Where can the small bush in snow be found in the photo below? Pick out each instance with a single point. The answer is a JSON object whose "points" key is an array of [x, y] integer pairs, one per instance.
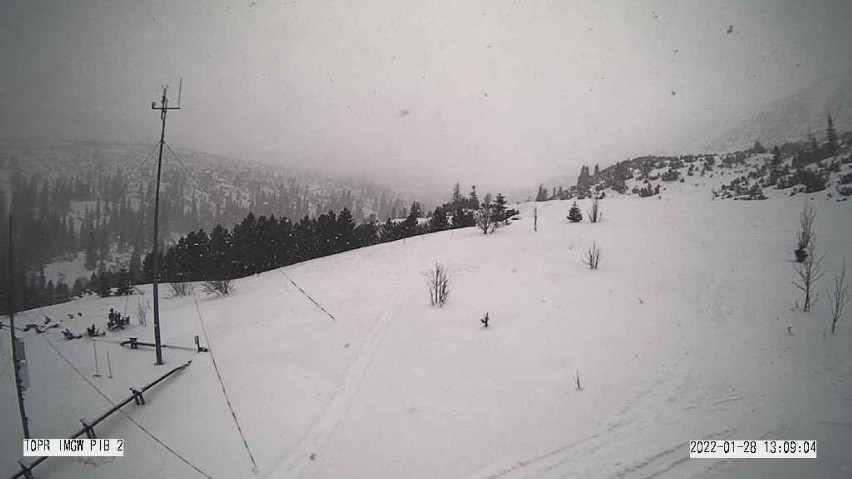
{"points": [[595, 215], [486, 219], [181, 289], [593, 257], [439, 285], [574, 214], [670, 175], [813, 180], [222, 287]]}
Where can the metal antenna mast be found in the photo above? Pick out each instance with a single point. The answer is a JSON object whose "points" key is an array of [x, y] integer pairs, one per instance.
{"points": [[164, 108], [17, 352]]}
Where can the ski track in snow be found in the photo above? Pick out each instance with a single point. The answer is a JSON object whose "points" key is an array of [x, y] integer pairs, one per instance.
{"points": [[626, 422], [555, 463], [292, 463]]}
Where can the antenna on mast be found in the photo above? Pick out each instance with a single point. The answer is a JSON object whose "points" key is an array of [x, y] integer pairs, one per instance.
{"points": [[164, 108], [180, 87]]}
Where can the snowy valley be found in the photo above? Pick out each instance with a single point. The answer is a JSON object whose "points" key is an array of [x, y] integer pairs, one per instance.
{"points": [[340, 367]]}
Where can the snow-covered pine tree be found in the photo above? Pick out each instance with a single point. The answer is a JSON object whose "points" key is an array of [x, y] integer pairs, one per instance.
{"points": [[574, 214]]}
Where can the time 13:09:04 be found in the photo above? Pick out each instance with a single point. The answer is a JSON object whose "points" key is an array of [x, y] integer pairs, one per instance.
{"points": [[758, 447]]}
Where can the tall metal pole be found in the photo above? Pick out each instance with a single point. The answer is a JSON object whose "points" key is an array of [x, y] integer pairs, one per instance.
{"points": [[164, 107], [25, 423]]}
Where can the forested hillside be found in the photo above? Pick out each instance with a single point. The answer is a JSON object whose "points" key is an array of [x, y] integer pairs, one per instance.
{"points": [[90, 206]]}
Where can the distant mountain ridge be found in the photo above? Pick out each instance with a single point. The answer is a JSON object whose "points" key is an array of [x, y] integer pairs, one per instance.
{"points": [[243, 182], [789, 119], [85, 206]]}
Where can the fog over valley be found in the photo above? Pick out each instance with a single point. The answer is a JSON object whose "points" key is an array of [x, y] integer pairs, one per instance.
{"points": [[502, 94]]}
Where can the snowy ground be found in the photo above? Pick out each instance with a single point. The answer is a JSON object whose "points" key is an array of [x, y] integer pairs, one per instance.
{"points": [[681, 334]]}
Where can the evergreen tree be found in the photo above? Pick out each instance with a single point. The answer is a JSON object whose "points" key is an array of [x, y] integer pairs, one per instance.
{"points": [[123, 286], [457, 197], [79, 287], [574, 214], [346, 231], [218, 266], [499, 207], [390, 231], [438, 221], [542, 194], [776, 157], [135, 264], [415, 210], [62, 293], [409, 226], [326, 233], [813, 146], [102, 281], [463, 219], [366, 234], [584, 181], [474, 201], [831, 145]]}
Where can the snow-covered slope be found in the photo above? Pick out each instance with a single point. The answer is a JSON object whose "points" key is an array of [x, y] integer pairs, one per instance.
{"points": [[788, 119], [688, 330]]}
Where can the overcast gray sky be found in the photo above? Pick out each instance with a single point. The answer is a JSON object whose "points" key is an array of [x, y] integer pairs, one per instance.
{"points": [[501, 93]]}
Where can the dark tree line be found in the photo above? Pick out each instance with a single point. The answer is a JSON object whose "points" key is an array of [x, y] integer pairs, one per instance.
{"points": [[261, 243]]}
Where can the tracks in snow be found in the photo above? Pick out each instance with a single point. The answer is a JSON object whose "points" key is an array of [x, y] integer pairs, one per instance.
{"points": [[594, 457], [609, 453], [288, 466]]}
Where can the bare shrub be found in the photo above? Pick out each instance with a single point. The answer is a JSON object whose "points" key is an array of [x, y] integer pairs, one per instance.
{"points": [[143, 306], [439, 285], [806, 232], [222, 287], [486, 220], [839, 297], [595, 215], [593, 257], [181, 289], [809, 271]]}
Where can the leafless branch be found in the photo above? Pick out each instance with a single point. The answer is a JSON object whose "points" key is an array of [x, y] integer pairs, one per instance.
{"points": [[839, 297]]}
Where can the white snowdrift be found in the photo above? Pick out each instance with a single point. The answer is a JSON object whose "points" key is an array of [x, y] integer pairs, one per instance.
{"points": [[683, 333]]}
